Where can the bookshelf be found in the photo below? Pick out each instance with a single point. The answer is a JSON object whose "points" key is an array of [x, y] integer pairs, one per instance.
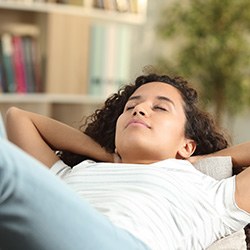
{"points": [[69, 108], [84, 11], [65, 47]]}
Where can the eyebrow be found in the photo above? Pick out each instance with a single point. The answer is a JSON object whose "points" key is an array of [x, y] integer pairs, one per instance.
{"points": [[164, 98]]}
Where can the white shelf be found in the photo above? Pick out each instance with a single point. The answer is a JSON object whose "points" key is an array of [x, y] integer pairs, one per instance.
{"points": [[50, 98], [95, 14], [66, 108]]}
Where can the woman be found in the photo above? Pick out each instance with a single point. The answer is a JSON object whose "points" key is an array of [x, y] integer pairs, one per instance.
{"points": [[154, 198]]}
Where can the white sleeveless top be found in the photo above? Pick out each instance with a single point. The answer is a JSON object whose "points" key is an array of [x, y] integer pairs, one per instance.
{"points": [[167, 205]]}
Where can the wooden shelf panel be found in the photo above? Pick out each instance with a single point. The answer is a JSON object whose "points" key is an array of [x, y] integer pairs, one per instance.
{"points": [[95, 14], [70, 109], [50, 98]]}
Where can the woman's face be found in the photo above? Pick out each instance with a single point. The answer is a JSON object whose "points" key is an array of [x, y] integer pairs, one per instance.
{"points": [[151, 127]]}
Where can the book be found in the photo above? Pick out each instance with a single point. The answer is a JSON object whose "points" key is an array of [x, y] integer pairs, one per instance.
{"points": [[36, 64], [133, 6], [99, 4], [29, 66], [109, 68], [109, 4], [122, 5], [7, 52], [18, 64], [3, 80], [97, 48], [21, 56]]}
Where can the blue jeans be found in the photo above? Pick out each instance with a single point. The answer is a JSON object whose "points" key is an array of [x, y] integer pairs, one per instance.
{"points": [[38, 211]]}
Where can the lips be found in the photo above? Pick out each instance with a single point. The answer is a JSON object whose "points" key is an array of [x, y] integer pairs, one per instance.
{"points": [[137, 122]]}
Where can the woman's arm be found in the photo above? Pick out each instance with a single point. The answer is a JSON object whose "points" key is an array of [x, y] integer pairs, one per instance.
{"points": [[39, 136], [240, 154]]}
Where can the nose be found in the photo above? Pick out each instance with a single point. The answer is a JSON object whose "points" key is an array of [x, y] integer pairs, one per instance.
{"points": [[140, 110]]}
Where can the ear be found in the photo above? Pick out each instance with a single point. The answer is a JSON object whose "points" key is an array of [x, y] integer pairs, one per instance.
{"points": [[187, 149]]}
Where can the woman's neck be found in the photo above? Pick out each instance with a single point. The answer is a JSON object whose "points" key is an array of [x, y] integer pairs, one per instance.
{"points": [[138, 160]]}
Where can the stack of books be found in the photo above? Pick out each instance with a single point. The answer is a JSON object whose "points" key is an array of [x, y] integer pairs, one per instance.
{"points": [[110, 50], [131, 6], [19, 59]]}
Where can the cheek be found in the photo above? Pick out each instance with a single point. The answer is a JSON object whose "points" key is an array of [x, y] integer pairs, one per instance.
{"points": [[173, 129], [119, 125]]}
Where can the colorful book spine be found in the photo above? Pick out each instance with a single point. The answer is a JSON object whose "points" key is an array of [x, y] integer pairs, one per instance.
{"points": [[19, 65], [7, 52], [122, 5], [28, 63], [21, 60], [2, 83], [98, 4], [133, 6], [36, 63], [3, 80]]}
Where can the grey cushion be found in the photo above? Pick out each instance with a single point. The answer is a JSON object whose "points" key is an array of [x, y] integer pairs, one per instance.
{"points": [[235, 241], [218, 167]]}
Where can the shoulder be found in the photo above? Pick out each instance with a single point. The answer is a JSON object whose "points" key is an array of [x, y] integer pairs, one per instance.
{"points": [[242, 190], [62, 170]]}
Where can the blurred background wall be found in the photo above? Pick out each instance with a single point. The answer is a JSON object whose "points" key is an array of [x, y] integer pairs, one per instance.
{"points": [[148, 46]]}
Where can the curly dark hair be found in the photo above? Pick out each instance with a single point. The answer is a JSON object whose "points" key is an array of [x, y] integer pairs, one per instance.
{"points": [[200, 126]]}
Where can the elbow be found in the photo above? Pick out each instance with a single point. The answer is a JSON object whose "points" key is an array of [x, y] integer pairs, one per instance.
{"points": [[12, 114], [12, 118]]}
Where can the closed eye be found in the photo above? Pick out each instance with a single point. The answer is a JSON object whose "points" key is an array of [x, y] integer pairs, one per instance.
{"points": [[129, 107], [160, 108]]}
